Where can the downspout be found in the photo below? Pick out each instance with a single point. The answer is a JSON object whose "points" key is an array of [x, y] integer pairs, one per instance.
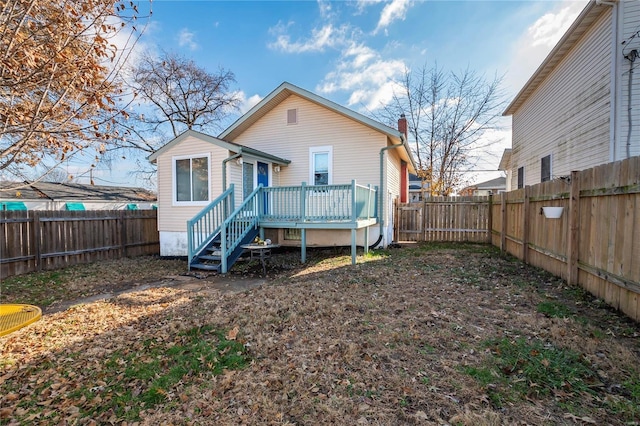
{"points": [[224, 168], [403, 143]]}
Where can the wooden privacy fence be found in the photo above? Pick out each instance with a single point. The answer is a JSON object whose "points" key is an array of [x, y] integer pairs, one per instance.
{"points": [[596, 241], [444, 219], [41, 240]]}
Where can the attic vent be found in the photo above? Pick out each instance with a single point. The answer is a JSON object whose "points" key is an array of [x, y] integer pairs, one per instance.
{"points": [[292, 116]]}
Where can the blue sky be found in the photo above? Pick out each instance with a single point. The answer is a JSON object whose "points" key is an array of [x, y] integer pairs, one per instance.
{"points": [[351, 51]]}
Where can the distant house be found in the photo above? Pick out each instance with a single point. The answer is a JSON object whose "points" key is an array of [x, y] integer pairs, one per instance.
{"points": [[72, 196], [417, 189], [581, 107], [297, 168], [493, 186]]}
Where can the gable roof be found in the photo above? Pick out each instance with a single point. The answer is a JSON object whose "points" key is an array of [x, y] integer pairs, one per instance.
{"points": [[505, 160], [497, 183], [72, 191], [285, 90], [580, 26], [219, 142]]}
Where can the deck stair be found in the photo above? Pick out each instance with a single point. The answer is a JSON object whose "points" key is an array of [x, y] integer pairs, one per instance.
{"points": [[217, 233]]}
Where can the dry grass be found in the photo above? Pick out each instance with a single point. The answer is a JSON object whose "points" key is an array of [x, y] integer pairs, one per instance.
{"points": [[407, 336]]}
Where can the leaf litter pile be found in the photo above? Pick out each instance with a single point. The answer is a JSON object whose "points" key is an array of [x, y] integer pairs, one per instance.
{"points": [[424, 334]]}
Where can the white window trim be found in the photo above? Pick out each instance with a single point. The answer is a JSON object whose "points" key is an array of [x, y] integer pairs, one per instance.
{"points": [[174, 193], [317, 150]]}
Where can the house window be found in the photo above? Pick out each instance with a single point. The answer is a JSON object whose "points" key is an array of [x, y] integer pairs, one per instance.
{"points": [[520, 177], [320, 161], [191, 183], [545, 169], [292, 116]]}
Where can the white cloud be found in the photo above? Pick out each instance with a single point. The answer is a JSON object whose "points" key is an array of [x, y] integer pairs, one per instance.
{"points": [[396, 10], [325, 37], [362, 4], [186, 39], [531, 48], [247, 103], [325, 8], [365, 74]]}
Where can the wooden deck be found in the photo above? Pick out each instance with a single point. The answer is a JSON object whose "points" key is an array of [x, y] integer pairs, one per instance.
{"points": [[349, 206]]}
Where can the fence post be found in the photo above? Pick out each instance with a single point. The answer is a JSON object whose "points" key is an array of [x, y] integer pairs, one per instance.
{"points": [[123, 233], [525, 224], [424, 218], [574, 228], [503, 228], [37, 232], [490, 220]]}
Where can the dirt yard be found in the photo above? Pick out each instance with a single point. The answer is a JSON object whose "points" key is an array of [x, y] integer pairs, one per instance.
{"points": [[425, 334]]}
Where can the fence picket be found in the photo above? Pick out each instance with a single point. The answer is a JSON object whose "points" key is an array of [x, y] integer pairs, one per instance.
{"points": [[43, 240]]}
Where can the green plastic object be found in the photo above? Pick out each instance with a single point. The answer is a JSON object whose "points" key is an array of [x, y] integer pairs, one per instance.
{"points": [[132, 206], [75, 206], [13, 206]]}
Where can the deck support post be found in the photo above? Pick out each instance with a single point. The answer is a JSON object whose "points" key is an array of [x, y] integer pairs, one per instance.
{"points": [[303, 245], [366, 239], [353, 246]]}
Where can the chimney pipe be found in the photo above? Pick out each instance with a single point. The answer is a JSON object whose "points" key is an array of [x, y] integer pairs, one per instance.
{"points": [[402, 125]]}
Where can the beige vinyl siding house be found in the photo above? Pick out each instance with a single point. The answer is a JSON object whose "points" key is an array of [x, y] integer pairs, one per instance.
{"points": [[291, 137], [353, 147], [569, 115], [172, 216]]}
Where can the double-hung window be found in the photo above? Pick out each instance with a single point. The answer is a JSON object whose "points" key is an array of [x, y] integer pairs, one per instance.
{"points": [[520, 177], [321, 164], [545, 169], [191, 180]]}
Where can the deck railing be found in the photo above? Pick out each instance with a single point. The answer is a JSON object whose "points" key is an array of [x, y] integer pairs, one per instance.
{"points": [[304, 203], [239, 223], [203, 227], [318, 203]]}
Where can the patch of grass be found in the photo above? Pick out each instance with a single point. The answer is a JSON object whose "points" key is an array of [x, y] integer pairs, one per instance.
{"points": [[627, 406], [535, 368], [483, 375], [134, 380], [554, 309], [39, 288]]}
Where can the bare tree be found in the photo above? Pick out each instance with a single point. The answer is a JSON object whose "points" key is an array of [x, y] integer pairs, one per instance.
{"points": [[182, 96], [59, 67], [447, 117]]}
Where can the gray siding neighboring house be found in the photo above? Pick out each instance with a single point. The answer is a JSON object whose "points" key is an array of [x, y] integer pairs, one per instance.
{"points": [[489, 187], [581, 107], [65, 196]]}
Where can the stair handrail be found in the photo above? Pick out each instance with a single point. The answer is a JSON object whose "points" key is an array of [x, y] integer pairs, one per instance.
{"points": [[242, 228], [204, 226]]}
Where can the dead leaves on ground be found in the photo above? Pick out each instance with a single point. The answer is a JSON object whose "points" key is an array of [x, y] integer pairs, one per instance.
{"points": [[384, 342]]}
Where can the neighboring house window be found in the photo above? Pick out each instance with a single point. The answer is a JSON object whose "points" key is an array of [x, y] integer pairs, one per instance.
{"points": [[545, 168], [320, 161], [191, 183], [292, 116], [521, 177]]}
